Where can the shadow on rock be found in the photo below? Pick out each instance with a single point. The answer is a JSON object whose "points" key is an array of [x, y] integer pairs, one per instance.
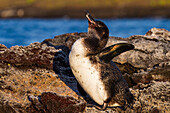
{"points": [[62, 68], [61, 62]]}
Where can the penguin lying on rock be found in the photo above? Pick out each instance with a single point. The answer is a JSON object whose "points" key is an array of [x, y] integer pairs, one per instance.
{"points": [[91, 65]]}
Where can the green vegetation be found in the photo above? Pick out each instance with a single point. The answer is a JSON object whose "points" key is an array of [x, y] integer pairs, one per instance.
{"points": [[160, 3], [53, 4], [30, 1]]}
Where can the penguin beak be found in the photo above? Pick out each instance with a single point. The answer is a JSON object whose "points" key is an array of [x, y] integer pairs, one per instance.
{"points": [[89, 17]]}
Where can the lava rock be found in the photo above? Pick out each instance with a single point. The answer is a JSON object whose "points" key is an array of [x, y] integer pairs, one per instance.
{"points": [[65, 104], [34, 54], [50, 102], [38, 78]]}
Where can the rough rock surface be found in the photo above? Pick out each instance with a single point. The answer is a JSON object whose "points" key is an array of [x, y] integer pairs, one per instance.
{"points": [[34, 54], [53, 103], [151, 56], [150, 60], [37, 78], [150, 98]]}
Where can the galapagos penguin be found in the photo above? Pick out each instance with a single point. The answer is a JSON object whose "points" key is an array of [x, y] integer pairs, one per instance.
{"points": [[91, 65]]}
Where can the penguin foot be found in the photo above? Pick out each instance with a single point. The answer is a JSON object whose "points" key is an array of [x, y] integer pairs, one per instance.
{"points": [[105, 105], [96, 106]]}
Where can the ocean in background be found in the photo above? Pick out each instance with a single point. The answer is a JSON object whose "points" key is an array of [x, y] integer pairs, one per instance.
{"points": [[22, 32]]}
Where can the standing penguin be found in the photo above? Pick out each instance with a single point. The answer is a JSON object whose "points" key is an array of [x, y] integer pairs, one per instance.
{"points": [[95, 72]]}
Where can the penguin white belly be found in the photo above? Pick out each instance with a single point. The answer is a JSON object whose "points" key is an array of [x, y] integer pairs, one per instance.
{"points": [[88, 77]]}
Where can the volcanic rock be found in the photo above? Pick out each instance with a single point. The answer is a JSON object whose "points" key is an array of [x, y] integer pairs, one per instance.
{"points": [[38, 78]]}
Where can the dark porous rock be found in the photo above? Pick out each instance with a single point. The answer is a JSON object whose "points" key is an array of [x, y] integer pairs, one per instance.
{"points": [[152, 97], [49, 102], [34, 54], [65, 39], [149, 50], [64, 104], [149, 98], [161, 34], [17, 83], [38, 78], [61, 62], [150, 60], [33, 70]]}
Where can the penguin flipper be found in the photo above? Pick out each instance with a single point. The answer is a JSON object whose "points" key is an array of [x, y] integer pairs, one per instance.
{"points": [[107, 54]]}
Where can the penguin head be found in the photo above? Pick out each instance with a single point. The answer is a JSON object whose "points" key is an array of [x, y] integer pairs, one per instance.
{"points": [[97, 28]]}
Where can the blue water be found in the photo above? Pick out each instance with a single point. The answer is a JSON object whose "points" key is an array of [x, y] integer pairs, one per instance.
{"points": [[26, 31]]}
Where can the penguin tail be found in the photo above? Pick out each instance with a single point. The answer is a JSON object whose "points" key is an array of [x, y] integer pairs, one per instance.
{"points": [[130, 100], [122, 102]]}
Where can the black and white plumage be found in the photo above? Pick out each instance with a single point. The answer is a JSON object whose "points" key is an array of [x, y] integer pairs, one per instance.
{"points": [[95, 72]]}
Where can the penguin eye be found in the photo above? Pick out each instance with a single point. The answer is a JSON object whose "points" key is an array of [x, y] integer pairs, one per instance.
{"points": [[100, 26]]}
